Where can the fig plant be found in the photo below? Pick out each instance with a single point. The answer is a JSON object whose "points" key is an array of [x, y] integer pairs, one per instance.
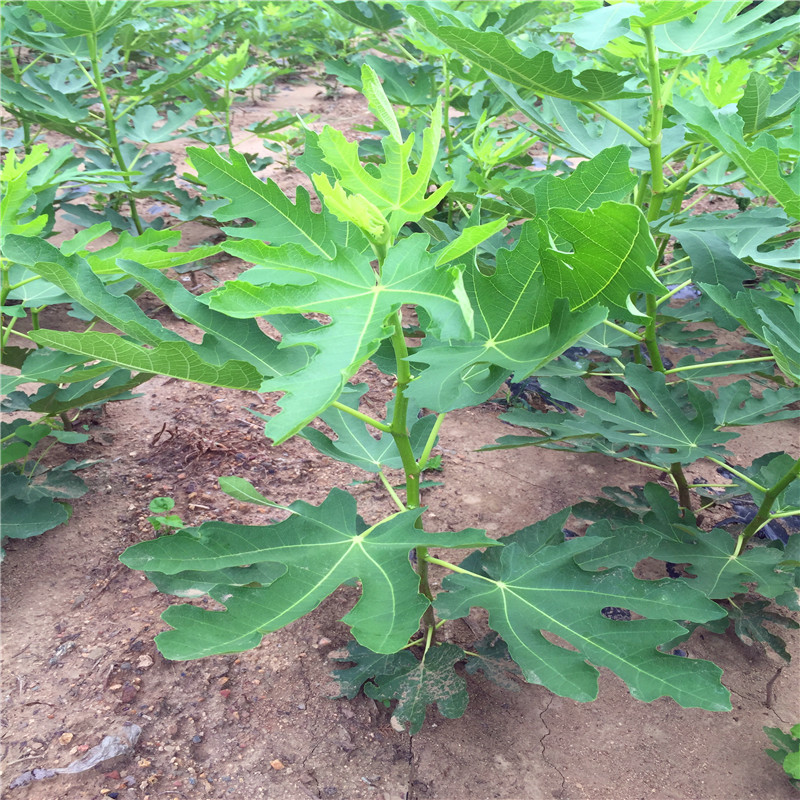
{"points": [[348, 262], [585, 268]]}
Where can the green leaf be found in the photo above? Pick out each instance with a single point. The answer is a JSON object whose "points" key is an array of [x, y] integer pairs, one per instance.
{"points": [[667, 534], [750, 618], [721, 26], [226, 339], [753, 106], [519, 327], [18, 197], [358, 301], [468, 240], [369, 666], [82, 17], [370, 15], [354, 444], [22, 520], [74, 276], [611, 253], [594, 29], [497, 55], [241, 489], [774, 323], [605, 178], [148, 249], [142, 125], [378, 102], [491, 657], [104, 385], [322, 546], [735, 405], [174, 359], [760, 158], [711, 258], [431, 680], [660, 12], [530, 593], [277, 219], [788, 752], [397, 193], [677, 426], [195, 584]]}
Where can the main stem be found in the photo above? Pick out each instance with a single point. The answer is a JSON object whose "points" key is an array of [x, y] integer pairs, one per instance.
{"points": [[654, 135], [111, 125], [399, 432]]}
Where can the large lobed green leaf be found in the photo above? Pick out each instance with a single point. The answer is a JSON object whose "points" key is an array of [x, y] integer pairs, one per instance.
{"points": [[277, 220], [679, 425], [322, 547], [759, 157], [359, 302], [492, 51], [670, 534], [531, 587], [519, 327], [610, 255]]}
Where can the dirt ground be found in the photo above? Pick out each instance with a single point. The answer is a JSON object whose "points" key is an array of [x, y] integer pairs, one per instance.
{"points": [[79, 659]]}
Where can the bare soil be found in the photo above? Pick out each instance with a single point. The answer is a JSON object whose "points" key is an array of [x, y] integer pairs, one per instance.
{"points": [[79, 658]]}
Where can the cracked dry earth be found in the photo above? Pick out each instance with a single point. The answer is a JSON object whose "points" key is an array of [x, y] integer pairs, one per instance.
{"points": [[79, 658]]}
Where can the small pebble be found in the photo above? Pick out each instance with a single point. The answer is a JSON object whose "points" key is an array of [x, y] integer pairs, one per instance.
{"points": [[277, 764]]}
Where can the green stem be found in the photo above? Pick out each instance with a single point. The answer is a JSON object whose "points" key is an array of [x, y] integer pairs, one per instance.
{"points": [[740, 475], [781, 514], [619, 328], [656, 121], [650, 340], [668, 268], [26, 126], [598, 109], [762, 515], [228, 104], [454, 568], [426, 453], [717, 364], [392, 493], [643, 464], [674, 291], [7, 331], [681, 484], [113, 141], [680, 184], [406, 54], [381, 426], [399, 432]]}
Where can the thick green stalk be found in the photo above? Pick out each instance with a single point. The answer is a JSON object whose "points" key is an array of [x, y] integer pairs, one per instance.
{"points": [[399, 432], [762, 515], [655, 125], [113, 141], [654, 135]]}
